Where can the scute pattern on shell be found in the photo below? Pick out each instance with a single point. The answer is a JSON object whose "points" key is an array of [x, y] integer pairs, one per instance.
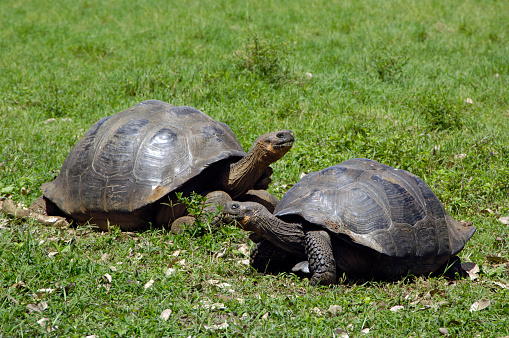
{"points": [[133, 158], [389, 210]]}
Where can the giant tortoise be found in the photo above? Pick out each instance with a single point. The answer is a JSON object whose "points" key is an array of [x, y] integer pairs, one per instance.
{"points": [[126, 169], [359, 218]]}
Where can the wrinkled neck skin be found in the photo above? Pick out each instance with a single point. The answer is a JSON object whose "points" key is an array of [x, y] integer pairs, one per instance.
{"points": [[288, 236], [243, 174]]}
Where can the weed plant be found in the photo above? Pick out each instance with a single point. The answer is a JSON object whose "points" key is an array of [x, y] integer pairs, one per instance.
{"points": [[422, 86]]}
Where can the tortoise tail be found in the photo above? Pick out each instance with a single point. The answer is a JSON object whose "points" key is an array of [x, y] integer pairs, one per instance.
{"points": [[459, 234]]}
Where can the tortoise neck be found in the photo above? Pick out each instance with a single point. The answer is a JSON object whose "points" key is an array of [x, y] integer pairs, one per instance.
{"points": [[244, 173], [288, 236]]}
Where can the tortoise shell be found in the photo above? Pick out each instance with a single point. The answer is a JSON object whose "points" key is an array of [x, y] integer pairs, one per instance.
{"points": [[132, 159], [388, 210]]}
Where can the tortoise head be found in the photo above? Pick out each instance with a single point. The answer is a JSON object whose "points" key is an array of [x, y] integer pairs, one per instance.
{"points": [[273, 146], [245, 215]]}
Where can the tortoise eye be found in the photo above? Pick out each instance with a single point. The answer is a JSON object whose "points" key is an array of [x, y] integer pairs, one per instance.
{"points": [[235, 206]]}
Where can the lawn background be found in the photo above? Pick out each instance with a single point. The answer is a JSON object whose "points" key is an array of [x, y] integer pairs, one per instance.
{"points": [[419, 85]]}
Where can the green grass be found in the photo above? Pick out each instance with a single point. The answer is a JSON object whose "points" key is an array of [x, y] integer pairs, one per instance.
{"points": [[389, 81]]}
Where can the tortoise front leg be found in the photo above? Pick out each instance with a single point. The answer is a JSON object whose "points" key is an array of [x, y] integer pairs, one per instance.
{"points": [[264, 180], [213, 200], [267, 257], [320, 257]]}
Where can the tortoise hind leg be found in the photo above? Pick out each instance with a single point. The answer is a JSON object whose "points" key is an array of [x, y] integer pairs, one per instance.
{"points": [[320, 257], [37, 211], [452, 269], [44, 206]]}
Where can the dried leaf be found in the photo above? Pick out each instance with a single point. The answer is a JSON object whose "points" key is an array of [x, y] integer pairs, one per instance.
{"points": [[221, 253], [149, 284], [472, 269], [339, 333], [265, 316], [107, 277], [397, 308], [335, 309], [415, 302], [172, 262], [44, 323], [215, 327], [43, 292], [176, 253], [20, 285], [107, 286], [503, 286], [53, 254], [197, 287], [244, 249], [244, 316], [469, 101], [316, 311], [113, 268], [496, 258], [434, 292], [165, 314], [302, 267], [224, 285], [480, 305], [37, 307], [460, 156], [104, 257], [244, 262], [207, 304], [366, 330], [170, 271], [443, 331], [504, 220], [499, 241], [91, 336]]}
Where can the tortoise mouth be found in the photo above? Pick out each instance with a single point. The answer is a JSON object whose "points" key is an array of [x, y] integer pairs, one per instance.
{"points": [[282, 145]]}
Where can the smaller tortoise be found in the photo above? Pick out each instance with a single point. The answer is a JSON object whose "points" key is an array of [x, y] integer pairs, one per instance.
{"points": [[361, 218], [127, 168]]}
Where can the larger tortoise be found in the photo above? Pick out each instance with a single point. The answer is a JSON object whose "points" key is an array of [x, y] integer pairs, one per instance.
{"points": [[127, 167], [361, 218]]}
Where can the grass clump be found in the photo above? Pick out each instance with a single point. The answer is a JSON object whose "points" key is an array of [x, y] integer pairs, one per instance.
{"points": [[439, 111], [387, 65], [265, 59]]}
